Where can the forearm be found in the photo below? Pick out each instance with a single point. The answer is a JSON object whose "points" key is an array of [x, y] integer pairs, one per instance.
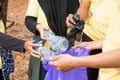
{"points": [[103, 60], [11, 43], [84, 9], [96, 44], [92, 45]]}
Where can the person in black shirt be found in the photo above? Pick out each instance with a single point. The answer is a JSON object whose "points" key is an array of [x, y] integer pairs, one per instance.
{"points": [[12, 43]]}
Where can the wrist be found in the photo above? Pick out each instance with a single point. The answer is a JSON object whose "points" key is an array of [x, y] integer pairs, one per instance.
{"points": [[75, 61], [38, 27], [91, 45]]}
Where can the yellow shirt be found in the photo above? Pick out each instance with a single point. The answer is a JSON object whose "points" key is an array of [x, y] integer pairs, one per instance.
{"points": [[1, 30], [37, 11], [112, 41], [96, 26]]}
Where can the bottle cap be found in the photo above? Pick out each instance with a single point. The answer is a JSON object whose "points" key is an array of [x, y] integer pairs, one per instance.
{"points": [[35, 41]]}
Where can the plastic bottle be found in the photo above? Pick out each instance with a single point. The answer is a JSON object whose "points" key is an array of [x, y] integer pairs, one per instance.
{"points": [[44, 52], [57, 43]]}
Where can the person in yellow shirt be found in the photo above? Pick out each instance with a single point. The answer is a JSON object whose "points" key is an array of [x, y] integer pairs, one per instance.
{"points": [[97, 15], [44, 14], [107, 61]]}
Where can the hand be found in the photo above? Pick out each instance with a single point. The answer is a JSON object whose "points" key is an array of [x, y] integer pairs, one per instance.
{"points": [[91, 45], [29, 48], [63, 62], [41, 29], [86, 45], [70, 20]]}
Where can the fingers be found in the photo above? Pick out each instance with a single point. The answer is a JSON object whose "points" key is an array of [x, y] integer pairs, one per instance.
{"points": [[59, 67], [41, 29], [64, 69], [53, 63], [69, 20], [42, 33], [55, 60], [83, 44], [46, 28], [62, 62], [34, 53], [29, 48], [75, 46]]}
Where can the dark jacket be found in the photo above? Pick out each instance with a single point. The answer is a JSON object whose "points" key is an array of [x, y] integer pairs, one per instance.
{"points": [[8, 42]]}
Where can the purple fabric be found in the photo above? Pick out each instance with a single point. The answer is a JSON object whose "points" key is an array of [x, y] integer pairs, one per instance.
{"points": [[79, 73]]}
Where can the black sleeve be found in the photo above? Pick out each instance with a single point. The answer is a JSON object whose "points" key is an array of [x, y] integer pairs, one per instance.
{"points": [[31, 23], [9, 42]]}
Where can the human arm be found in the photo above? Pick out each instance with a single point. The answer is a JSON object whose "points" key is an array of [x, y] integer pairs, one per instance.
{"points": [[82, 11], [31, 19], [31, 23], [108, 59], [91, 45], [12, 43], [34, 27]]}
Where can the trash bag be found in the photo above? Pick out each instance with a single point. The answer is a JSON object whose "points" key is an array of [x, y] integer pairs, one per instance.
{"points": [[79, 73]]}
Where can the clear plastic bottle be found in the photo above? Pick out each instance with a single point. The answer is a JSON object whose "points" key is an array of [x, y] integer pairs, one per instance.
{"points": [[57, 43], [44, 52]]}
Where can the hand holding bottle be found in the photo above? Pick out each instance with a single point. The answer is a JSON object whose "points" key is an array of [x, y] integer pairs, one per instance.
{"points": [[28, 47], [41, 28], [44, 52]]}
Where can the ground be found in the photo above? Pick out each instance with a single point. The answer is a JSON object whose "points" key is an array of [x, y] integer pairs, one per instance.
{"points": [[15, 17]]}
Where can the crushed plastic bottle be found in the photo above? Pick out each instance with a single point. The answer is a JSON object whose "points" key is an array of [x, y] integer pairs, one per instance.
{"points": [[44, 52], [57, 43]]}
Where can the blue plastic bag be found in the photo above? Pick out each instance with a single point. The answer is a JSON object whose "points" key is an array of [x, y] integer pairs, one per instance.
{"points": [[79, 73]]}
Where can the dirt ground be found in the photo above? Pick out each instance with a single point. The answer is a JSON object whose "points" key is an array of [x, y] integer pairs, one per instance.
{"points": [[15, 17]]}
